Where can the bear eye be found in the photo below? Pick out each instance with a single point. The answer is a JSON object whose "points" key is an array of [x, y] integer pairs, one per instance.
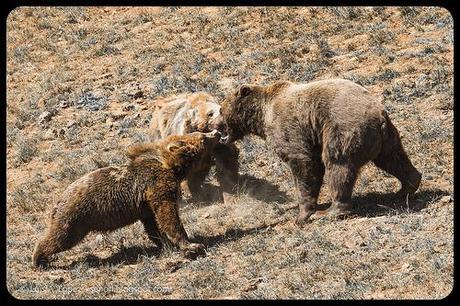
{"points": [[210, 114]]}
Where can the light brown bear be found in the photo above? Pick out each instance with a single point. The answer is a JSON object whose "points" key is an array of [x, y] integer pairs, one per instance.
{"points": [[145, 189], [186, 113], [330, 127]]}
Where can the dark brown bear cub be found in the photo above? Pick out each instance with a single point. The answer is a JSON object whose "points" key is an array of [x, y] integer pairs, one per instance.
{"points": [[328, 127], [145, 189]]}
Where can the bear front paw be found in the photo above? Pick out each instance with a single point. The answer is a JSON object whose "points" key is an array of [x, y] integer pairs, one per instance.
{"points": [[302, 218]]}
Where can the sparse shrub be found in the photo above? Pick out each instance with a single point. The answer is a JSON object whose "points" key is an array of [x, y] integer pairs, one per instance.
{"points": [[349, 13], [21, 54], [31, 196], [432, 128], [25, 114], [26, 149], [107, 50], [380, 37], [90, 101], [12, 133], [324, 48], [409, 13], [397, 93], [126, 124], [386, 75], [400, 252], [300, 73]]}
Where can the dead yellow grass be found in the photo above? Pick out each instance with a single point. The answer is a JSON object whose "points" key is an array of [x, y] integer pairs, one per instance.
{"points": [[81, 82]]}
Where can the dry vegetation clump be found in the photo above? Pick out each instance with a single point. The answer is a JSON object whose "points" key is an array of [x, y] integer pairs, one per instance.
{"points": [[81, 83]]}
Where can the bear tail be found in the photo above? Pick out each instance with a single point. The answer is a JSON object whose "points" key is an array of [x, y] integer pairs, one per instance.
{"points": [[390, 134]]}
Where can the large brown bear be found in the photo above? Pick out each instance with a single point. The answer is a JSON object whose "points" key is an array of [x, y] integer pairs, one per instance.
{"points": [[330, 127], [187, 113], [145, 189]]}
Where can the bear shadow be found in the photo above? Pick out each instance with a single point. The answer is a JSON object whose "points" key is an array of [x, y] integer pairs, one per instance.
{"points": [[257, 188], [126, 256], [233, 234], [376, 204], [367, 205], [263, 190]]}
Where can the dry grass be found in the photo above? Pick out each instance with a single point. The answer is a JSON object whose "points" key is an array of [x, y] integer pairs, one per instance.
{"points": [[80, 85]]}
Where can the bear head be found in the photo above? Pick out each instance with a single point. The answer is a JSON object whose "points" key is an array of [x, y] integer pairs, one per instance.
{"points": [[176, 152], [204, 114], [239, 112]]}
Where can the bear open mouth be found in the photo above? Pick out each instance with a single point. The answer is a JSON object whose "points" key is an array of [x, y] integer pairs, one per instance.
{"points": [[224, 138]]}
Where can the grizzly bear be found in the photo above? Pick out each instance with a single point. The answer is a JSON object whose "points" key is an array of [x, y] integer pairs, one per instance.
{"points": [[145, 189], [329, 127], [186, 113]]}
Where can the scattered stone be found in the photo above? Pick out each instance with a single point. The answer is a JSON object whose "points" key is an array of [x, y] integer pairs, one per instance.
{"points": [[128, 107], [446, 199], [253, 283], [61, 133], [91, 101], [174, 266], [45, 117], [50, 134], [72, 124], [64, 104], [59, 280], [117, 115], [134, 91]]}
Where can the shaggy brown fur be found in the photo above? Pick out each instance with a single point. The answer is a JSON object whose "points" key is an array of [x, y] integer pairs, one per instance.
{"points": [[329, 127], [188, 113], [146, 189]]}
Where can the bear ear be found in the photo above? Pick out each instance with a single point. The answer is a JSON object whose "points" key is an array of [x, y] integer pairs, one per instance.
{"points": [[245, 90]]}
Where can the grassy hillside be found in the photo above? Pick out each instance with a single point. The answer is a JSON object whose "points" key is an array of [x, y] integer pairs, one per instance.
{"points": [[81, 85]]}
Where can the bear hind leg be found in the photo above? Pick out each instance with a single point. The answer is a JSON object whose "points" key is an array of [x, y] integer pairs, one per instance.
{"points": [[56, 240], [341, 180], [397, 163]]}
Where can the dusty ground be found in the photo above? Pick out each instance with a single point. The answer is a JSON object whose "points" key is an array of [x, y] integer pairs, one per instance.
{"points": [[80, 85]]}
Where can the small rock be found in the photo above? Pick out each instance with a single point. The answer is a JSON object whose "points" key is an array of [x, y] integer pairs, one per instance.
{"points": [[50, 134], [174, 266], [252, 284], [407, 267], [59, 280], [64, 104], [128, 107], [138, 94], [117, 115], [72, 124], [45, 117], [446, 199], [134, 91]]}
